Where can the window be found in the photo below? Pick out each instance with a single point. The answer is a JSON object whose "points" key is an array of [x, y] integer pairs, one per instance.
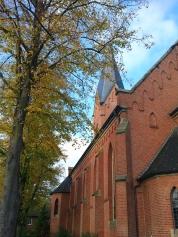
{"points": [[175, 206], [111, 184], [79, 190], [153, 120], [56, 207], [84, 185], [72, 197], [29, 221], [96, 176]]}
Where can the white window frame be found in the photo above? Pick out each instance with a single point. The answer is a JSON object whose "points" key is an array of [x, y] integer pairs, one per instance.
{"points": [[30, 221]]}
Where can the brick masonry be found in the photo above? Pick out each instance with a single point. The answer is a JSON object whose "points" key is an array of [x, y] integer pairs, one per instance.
{"points": [[110, 201]]}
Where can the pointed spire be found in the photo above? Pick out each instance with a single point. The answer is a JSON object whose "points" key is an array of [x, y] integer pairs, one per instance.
{"points": [[110, 77]]}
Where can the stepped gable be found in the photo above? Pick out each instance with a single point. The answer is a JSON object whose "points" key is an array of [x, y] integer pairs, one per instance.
{"points": [[64, 187], [166, 161]]}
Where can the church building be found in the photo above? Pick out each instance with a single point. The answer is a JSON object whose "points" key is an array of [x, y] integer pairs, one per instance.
{"points": [[126, 182]]}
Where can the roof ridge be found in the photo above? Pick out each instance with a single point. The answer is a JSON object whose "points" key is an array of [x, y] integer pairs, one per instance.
{"points": [[64, 186], [144, 77]]}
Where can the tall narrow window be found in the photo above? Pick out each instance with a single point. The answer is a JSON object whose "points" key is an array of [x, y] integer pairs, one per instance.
{"points": [[79, 190], [111, 184], [56, 207], [175, 206], [95, 176], [84, 186]]}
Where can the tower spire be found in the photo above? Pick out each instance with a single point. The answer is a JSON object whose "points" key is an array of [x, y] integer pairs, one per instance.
{"points": [[110, 77]]}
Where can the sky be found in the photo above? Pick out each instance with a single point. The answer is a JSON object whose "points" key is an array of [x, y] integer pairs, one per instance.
{"points": [[160, 20]]}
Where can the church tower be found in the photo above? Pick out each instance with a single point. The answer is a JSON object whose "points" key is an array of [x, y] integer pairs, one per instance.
{"points": [[106, 99]]}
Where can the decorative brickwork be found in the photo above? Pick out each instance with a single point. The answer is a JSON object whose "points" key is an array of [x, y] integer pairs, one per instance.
{"points": [[106, 194]]}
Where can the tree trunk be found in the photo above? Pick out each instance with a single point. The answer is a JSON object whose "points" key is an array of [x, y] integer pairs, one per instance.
{"points": [[11, 199]]}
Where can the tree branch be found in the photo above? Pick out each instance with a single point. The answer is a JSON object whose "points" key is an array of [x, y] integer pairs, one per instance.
{"points": [[36, 17], [5, 61]]}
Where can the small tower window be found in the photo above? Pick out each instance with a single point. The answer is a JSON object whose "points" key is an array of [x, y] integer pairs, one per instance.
{"points": [[153, 120], [56, 207], [175, 206]]}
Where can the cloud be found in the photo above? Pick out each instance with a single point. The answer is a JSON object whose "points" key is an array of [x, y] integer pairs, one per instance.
{"points": [[159, 21], [73, 153]]}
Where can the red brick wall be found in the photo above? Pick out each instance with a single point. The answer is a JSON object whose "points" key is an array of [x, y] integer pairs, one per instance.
{"points": [[101, 113], [59, 220], [54, 219], [99, 198], [97, 204], [156, 94], [148, 107], [86, 202], [154, 206], [122, 210]]}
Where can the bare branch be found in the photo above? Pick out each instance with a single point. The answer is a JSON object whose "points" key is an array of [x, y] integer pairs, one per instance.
{"points": [[7, 59], [36, 17]]}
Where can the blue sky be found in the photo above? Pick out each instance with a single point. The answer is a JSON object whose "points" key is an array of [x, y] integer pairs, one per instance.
{"points": [[160, 20]]}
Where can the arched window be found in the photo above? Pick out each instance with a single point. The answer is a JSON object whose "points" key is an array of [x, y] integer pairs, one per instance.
{"points": [[111, 184], [56, 207], [95, 184], [79, 189], [153, 120], [84, 186], [72, 197], [175, 206]]}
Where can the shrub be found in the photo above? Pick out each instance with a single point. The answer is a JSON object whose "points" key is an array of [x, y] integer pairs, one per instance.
{"points": [[89, 235], [64, 233], [26, 233]]}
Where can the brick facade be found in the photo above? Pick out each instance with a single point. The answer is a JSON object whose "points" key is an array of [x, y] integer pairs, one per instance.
{"points": [[106, 195]]}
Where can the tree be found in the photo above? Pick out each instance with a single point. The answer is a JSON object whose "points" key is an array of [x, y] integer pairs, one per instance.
{"points": [[41, 148], [64, 41], [42, 228], [41, 151]]}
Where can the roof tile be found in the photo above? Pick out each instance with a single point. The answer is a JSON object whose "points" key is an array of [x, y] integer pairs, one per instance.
{"points": [[64, 187]]}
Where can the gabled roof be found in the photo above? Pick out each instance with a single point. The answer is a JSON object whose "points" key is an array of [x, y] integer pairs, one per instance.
{"points": [[145, 76], [166, 161], [64, 187], [110, 77]]}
